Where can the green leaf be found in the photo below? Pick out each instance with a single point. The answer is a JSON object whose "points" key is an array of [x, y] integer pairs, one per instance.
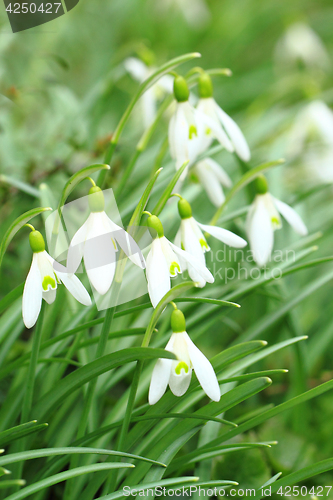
{"points": [[11, 482], [20, 431], [206, 300], [92, 370], [16, 226], [243, 181], [168, 190], [4, 472], [63, 476], [50, 452], [11, 297], [137, 214], [22, 186]]}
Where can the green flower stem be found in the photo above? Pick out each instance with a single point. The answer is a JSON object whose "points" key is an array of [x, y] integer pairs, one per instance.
{"points": [[160, 156]]}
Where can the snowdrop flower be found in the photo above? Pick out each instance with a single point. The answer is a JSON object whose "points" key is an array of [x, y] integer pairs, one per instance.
{"points": [[224, 129], [192, 240], [310, 141], [300, 44], [212, 177], [42, 281], [140, 72], [163, 262], [264, 218], [187, 128], [96, 242], [177, 373]]}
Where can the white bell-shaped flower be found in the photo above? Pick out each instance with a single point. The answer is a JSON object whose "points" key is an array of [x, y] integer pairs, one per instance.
{"points": [[190, 238], [264, 218], [186, 128], [96, 242], [212, 177], [177, 373], [300, 44], [163, 263], [219, 125], [42, 281], [140, 72]]}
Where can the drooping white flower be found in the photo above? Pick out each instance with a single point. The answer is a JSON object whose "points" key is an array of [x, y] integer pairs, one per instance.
{"points": [[163, 263], [301, 44], [177, 373], [219, 125], [212, 177], [310, 141], [264, 218], [96, 242], [140, 72], [42, 281], [190, 238]]}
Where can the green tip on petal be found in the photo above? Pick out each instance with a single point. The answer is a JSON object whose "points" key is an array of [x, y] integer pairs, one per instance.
{"points": [[96, 199], [181, 366], [261, 184], [184, 209], [178, 323], [180, 89], [155, 226], [36, 241], [205, 86]]}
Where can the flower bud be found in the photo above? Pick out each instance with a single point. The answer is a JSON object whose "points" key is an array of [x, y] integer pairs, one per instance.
{"points": [[261, 184], [36, 241], [205, 86], [178, 323], [96, 199], [155, 226], [180, 89], [184, 209]]}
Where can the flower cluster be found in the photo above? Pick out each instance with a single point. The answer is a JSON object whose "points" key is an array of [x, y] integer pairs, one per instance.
{"points": [[192, 130]]}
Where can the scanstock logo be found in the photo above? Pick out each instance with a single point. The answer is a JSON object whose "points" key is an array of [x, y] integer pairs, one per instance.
{"points": [[24, 15]]}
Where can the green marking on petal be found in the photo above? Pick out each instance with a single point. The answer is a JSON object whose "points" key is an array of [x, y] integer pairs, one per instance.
{"points": [[180, 366], [203, 244], [114, 243], [275, 221], [182, 246], [48, 281], [192, 131], [173, 267], [208, 131]]}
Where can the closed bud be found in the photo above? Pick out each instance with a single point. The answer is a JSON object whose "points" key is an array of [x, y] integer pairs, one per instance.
{"points": [[180, 89]]}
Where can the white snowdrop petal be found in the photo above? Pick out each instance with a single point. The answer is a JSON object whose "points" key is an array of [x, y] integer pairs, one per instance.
{"points": [[75, 249], [32, 295], [260, 231], [227, 237], [220, 173], [159, 380], [75, 287], [99, 255], [50, 296], [204, 371], [126, 242], [291, 217], [136, 68], [236, 135], [157, 271], [195, 263], [210, 183], [217, 131], [179, 383]]}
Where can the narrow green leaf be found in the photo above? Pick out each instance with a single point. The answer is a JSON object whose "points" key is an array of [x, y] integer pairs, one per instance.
{"points": [[92, 370], [16, 226], [137, 214], [11, 297], [11, 482], [206, 300], [168, 190], [22, 186], [20, 431], [51, 452], [63, 476]]}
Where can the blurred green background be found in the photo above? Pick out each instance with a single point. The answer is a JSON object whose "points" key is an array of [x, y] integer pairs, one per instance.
{"points": [[63, 89]]}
